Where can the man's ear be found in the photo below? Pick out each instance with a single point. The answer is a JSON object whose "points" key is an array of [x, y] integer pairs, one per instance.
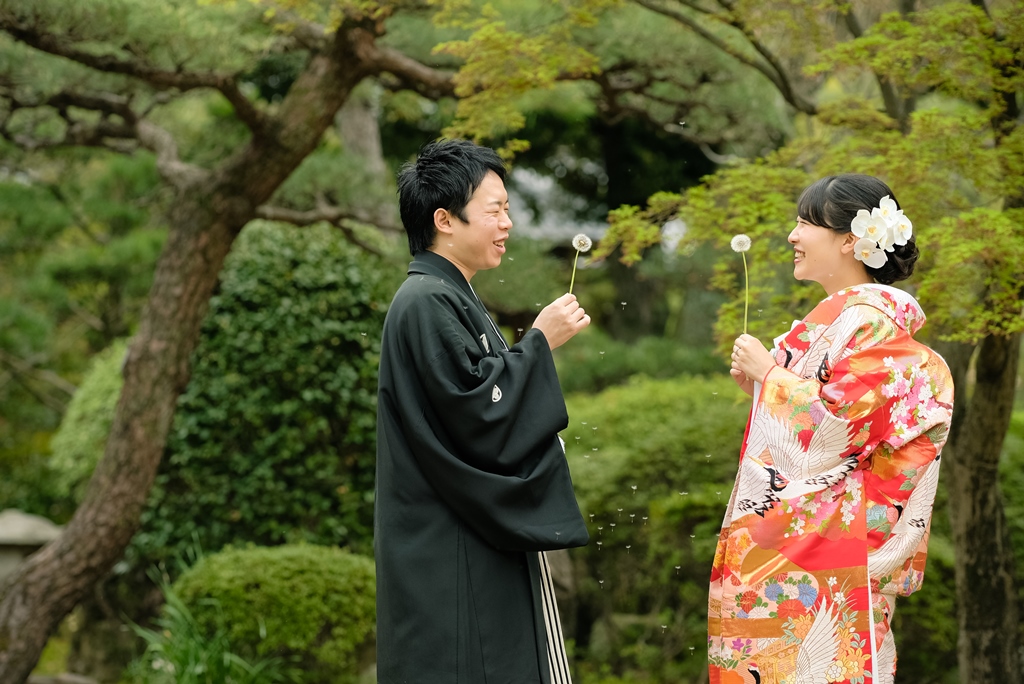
{"points": [[443, 221]]}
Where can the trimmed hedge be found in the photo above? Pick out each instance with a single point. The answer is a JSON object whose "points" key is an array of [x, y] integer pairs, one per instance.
{"points": [[273, 440], [313, 605]]}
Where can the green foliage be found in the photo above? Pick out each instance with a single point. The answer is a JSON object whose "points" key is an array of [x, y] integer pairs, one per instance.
{"points": [[594, 361], [954, 153], [311, 605], [502, 64], [756, 199], [918, 52], [79, 443], [653, 464], [982, 251], [178, 651], [273, 439]]}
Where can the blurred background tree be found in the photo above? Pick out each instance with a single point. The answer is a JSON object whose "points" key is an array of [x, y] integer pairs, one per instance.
{"points": [[137, 146]]}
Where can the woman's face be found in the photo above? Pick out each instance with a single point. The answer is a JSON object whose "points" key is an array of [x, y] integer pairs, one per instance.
{"points": [[817, 252]]}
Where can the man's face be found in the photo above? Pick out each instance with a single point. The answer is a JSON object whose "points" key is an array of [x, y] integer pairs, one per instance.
{"points": [[477, 243]]}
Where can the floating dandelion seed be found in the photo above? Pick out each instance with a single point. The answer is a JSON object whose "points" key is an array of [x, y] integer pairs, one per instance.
{"points": [[741, 243], [633, 487], [501, 282], [645, 519], [582, 244], [631, 516], [591, 517], [628, 547]]}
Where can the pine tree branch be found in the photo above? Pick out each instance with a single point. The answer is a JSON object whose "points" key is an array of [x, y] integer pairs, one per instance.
{"points": [[168, 163], [161, 79], [768, 66], [115, 126], [409, 73], [24, 373], [118, 129], [324, 213]]}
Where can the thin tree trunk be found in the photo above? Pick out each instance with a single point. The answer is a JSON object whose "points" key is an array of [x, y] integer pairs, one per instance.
{"points": [[204, 221], [987, 614]]}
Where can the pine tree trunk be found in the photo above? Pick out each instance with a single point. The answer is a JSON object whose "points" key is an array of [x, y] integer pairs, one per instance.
{"points": [[203, 223], [987, 614]]}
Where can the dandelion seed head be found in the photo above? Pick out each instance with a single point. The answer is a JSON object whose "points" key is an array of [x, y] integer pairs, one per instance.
{"points": [[740, 243], [582, 243]]}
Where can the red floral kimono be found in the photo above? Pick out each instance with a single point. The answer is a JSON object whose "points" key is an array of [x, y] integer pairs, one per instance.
{"points": [[828, 520]]}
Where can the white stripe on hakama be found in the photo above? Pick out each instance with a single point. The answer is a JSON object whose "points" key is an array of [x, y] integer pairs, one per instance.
{"points": [[558, 661]]}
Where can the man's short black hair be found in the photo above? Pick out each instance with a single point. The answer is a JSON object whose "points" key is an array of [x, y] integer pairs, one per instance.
{"points": [[444, 176]]}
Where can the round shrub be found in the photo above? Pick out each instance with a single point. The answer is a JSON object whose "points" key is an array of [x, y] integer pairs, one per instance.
{"points": [[313, 605]]}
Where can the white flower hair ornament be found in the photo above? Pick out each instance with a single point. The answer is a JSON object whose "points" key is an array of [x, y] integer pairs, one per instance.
{"points": [[880, 230]]}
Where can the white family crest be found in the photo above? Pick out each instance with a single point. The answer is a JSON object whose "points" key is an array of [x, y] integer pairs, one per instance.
{"points": [[496, 394]]}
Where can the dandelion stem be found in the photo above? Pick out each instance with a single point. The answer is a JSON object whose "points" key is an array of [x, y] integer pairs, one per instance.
{"points": [[746, 291], [574, 262]]}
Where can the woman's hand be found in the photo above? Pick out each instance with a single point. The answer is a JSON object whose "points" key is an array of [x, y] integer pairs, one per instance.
{"points": [[745, 383], [750, 358]]}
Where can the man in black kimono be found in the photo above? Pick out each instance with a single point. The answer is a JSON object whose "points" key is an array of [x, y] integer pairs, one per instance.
{"points": [[472, 480]]}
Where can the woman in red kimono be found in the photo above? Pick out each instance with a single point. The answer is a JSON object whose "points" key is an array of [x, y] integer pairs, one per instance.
{"points": [[828, 520]]}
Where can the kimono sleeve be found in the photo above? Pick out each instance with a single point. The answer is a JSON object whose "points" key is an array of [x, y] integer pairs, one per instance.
{"points": [[488, 442], [812, 425]]}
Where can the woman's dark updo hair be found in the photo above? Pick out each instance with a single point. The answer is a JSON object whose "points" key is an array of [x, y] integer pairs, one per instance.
{"points": [[833, 202]]}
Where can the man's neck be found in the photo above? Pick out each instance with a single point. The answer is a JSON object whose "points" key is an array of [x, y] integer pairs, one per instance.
{"points": [[466, 272]]}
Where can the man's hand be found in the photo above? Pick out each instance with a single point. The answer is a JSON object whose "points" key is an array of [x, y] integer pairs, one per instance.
{"points": [[561, 320]]}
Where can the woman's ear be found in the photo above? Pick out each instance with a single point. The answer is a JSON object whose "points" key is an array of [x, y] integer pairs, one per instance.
{"points": [[849, 240]]}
